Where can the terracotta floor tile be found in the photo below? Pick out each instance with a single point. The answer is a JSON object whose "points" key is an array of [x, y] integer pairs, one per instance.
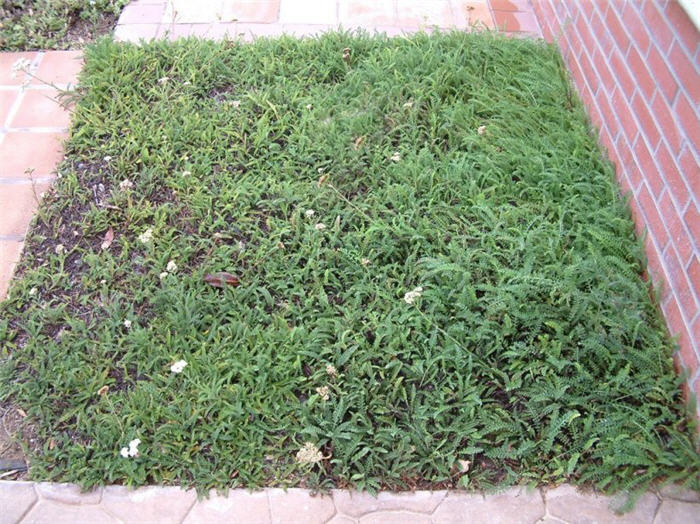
{"points": [[135, 32], [40, 108], [17, 205], [413, 13], [308, 12], [6, 62], [59, 67], [469, 12], [10, 251], [7, 100], [510, 5], [511, 21], [20, 151], [368, 13], [253, 11], [187, 12], [142, 14]]}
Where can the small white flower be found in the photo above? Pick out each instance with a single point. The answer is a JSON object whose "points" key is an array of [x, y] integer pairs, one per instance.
{"points": [[364, 261], [59, 249], [146, 236], [331, 371], [132, 450], [171, 267], [163, 275], [235, 103], [163, 79], [481, 130], [408, 104], [411, 296], [127, 323], [324, 392], [186, 173], [107, 158], [186, 83], [396, 156], [178, 366], [308, 106], [320, 226], [32, 292], [309, 213], [126, 184], [309, 454], [21, 64]]}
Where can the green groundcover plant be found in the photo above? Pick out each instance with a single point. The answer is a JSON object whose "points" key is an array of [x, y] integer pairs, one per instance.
{"points": [[55, 24], [429, 277]]}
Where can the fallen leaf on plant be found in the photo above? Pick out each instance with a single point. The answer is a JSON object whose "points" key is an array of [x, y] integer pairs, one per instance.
{"points": [[222, 279], [103, 390], [52, 444], [21, 412], [358, 142], [322, 180], [109, 238]]}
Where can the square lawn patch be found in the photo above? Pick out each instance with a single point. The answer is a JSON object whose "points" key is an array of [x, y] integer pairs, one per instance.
{"points": [[439, 284]]}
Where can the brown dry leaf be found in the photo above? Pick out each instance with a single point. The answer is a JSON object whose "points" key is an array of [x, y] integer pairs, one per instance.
{"points": [[109, 238], [322, 180], [221, 280], [52, 443], [103, 390], [21, 412], [358, 142]]}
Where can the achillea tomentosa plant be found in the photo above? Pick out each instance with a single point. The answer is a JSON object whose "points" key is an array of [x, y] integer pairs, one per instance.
{"points": [[471, 314]]}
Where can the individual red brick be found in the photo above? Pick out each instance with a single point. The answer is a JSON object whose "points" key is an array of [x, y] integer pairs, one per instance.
{"points": [[627, 162], [688, 118], [645, 119], [59, 67], [643, 78], [604, 74], [679, 281], [622, 74], [674, 180], [677, 328], [602, 35], [655, 269], [653, 219], [694, 277], [650, 172], [603, 100], [510, 5], [690, 167], [662, 33], [589, 73], [692, 220], [575, 44], [606, 140], [683, 26], [624, 115], [635, 26], [662, 73], [616, 29], [585, 34], [685, 71], [666, 121]]}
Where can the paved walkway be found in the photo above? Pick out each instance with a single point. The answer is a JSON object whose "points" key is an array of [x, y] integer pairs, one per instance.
{"points": [[28, 502], [32, 127], [147, 19]]}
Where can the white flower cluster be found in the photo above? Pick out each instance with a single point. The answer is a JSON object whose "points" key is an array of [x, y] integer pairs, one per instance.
{"points": [[178, 367], [132, 450], [411, 296]]}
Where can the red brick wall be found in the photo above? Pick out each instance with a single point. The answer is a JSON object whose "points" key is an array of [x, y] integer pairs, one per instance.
{"points": [[636, 65]]}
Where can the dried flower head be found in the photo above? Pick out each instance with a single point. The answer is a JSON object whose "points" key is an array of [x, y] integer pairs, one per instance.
{"points": [[481, 130], [331, 371], [396, 156], [364, 261], [408, 104], [171, 267], [127, 323], [309, 213], [32, 292], [59, 249], [309, 454], [324, 392], [126, 184], [163, 275], [320, 226], [411, 296]]}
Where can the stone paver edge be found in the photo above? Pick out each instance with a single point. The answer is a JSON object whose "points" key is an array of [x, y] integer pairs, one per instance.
{"points": [[533, 504]]}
